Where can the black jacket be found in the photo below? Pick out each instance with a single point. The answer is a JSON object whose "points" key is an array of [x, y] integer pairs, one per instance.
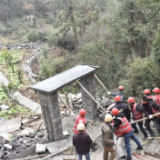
{"points": [[125, 109], [117, 122], [82, 142], [147, 110], [119, 93]]}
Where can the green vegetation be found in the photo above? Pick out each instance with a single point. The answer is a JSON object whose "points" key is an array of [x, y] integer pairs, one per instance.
{"points": [[11, 113], [32, 36]]}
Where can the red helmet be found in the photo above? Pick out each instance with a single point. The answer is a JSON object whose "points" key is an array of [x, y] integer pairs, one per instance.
{"points": [[121, 88], [117, 98], [82, 112], [115, 111], [147, 91], [156, 90], [131, 100]]}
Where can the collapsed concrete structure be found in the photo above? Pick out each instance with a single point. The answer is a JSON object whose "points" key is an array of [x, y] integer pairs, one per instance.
{"points": [[48, 95]]}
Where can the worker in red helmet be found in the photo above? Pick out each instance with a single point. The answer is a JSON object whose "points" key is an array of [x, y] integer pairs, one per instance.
{"points": [[119, 93], [124, 132], [122, 106], [156, 97], [137, 113], [115, 111], [150, 108], [80, 119], [147, 93]]}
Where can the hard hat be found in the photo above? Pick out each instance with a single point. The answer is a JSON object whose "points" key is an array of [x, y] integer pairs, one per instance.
{"points": [[108, 118], [121, 87], [82, 112], [115, 111], [117, 98], [156, 90], [147, 91], [131, 100], [81, 127]]}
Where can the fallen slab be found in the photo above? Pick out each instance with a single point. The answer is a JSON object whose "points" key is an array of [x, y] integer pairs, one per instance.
{"points": [[27, 152], [59, 145], [10, 125], [28, 103]]}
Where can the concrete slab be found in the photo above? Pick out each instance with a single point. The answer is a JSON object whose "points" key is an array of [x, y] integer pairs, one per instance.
{"points": [[27, 152], [59, 145], [54, 83], [10, 125], [28, 103]]}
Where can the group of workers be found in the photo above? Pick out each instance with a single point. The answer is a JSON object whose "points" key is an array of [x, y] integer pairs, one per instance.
{"points": [[116, 128]]}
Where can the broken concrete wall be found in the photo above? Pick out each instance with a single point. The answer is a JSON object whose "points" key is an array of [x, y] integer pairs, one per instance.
{"points": [[89, 83], [51, 115]]}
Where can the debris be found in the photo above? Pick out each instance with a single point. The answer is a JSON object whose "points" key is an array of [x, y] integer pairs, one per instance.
{"points": [[26, 131], [33, 157], [40, 148], [59, 145], [8, 146], [54, 154], [7, 136], [25, 121], [65, 133], [26, 152], [10, 126], [4, 107]]}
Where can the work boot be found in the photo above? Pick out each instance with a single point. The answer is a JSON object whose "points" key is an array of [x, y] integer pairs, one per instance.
{"points": [[122, 157], [139, 148], [136, 131], [128, 158], [145, 137]]}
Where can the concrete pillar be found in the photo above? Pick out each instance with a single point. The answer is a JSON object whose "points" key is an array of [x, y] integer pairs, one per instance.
{"points": [[89, 83], [51, 115]]}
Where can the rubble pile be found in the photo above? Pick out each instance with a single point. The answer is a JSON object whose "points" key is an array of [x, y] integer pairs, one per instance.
{"points": [[19, 143]]}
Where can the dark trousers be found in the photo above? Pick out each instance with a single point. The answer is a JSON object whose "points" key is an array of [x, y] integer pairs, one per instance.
{"points": [[140, 124], [155, 120], [127, 137]]}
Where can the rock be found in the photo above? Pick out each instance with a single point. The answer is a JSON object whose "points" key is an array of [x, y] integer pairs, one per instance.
{"points": [[40, 148], [8, 146], [4, 107]]}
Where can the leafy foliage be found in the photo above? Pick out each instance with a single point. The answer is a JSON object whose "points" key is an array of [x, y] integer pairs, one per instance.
{"points": [[32, 36]]}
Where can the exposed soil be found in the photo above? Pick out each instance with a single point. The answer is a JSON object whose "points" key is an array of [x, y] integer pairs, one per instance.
{"points": [[29, 94]]}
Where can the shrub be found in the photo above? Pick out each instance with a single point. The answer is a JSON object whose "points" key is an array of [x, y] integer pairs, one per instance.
{"points": [[32, 36], [44, 52], [52, 37]]}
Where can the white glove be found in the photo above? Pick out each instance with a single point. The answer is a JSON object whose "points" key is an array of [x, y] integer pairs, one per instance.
{"points": [[71, 113], [108, 93], [150, 116]]}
